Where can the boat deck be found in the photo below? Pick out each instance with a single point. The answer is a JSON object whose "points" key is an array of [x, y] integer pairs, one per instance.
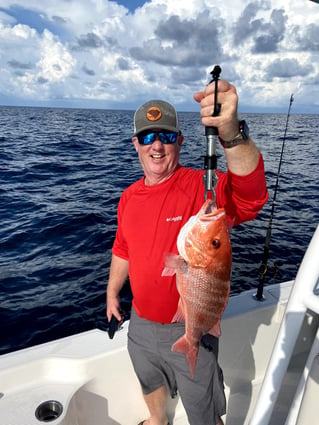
{"points": [[268, 353], [93, 379]]}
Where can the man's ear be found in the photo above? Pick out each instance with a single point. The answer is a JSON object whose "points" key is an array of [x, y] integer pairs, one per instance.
{"points": [[180, 139], [135, 143]]}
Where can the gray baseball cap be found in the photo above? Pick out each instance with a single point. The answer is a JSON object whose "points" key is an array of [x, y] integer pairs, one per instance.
{"points": [[155, 114]]}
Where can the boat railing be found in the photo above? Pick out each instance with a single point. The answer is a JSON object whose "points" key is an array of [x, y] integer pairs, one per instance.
{"points": [[304, 296]]}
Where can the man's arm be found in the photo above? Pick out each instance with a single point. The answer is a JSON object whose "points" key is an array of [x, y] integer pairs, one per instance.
{"points": [[117, 278], [246, 192], [241, 159]]}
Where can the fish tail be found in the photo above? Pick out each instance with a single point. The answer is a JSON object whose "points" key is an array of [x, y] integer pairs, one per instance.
{"points": [[190, 351], [215, 330]]}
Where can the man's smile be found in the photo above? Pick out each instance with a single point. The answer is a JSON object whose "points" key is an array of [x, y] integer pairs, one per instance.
{"points": [[157, 156]]}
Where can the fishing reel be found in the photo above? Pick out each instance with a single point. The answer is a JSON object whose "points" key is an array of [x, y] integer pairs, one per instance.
{"points": [[273, 272]]}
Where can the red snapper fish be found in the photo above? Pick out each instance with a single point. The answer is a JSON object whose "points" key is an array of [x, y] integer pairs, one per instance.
{"points": [[203, 271]]}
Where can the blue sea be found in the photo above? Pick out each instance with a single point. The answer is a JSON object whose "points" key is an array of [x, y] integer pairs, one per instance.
{"points": [[62, 172]]}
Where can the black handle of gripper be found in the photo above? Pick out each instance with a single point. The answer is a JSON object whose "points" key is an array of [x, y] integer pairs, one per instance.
{"points": [[215, 73]]}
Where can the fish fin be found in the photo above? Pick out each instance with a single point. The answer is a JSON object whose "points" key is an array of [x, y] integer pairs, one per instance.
{"points": [[179, 315], [191, 353], [172, 263], [168, 271], [230, 224], [215, 330]]}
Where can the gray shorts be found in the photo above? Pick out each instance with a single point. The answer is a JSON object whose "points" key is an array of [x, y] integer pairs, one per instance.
{"points": [[155, 364]]}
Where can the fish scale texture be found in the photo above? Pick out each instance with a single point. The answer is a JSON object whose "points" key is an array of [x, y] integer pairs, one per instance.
{"points": [[204, 300]]}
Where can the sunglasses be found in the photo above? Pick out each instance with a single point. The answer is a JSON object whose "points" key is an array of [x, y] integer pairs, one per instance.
{"points": [[166, 137]]}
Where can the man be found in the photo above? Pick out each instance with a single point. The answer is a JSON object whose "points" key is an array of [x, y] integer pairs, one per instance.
{"points": [[150, 214]]}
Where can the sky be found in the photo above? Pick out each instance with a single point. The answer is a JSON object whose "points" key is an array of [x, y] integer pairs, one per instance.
{"points": [[120, 54]]}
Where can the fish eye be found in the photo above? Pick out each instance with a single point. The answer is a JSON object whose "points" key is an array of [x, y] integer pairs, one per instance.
{"points": [[216, 243]]}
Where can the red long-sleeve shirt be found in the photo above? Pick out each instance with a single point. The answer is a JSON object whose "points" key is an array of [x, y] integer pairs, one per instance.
{"points": [[150, 218]]}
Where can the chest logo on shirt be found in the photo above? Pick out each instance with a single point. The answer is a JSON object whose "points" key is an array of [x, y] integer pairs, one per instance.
{"points": [[178, 218]]}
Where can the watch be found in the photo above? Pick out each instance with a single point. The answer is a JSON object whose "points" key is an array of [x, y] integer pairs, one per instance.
{"points": [[241, 138]]}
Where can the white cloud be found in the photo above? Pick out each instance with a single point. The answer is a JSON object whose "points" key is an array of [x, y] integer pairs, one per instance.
{"points": [[97, 53], [56, 63]]}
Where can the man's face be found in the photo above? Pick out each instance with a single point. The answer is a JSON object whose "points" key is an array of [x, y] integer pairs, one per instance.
{"points": [[158, 160]]}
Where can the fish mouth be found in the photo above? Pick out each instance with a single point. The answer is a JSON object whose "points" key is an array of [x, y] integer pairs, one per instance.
{"points": [[209, 211], [209, 207]]}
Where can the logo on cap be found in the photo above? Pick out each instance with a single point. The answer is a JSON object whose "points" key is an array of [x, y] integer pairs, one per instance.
{"points": [[153, 113]]}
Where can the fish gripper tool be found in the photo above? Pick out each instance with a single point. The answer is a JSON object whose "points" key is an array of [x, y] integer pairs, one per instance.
{"points": [[211, 133]]}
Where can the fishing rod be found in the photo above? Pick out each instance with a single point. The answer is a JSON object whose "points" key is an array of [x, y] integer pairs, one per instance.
{"points": [[211, 133], [264, 264]]}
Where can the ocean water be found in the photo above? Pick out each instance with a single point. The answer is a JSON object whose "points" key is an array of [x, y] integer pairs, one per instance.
{"points": [[62, 172]]}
